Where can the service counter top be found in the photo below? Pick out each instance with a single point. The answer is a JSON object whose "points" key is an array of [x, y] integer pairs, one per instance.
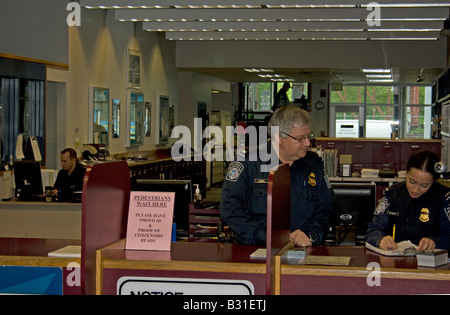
{"points": [[14, 204], [18, 251], [399, 275], [26, 267], [202, 257], [208, 262], [367, 273], [389, 181], [151, 160], [366, 179], [378, 140], [53, 220]]}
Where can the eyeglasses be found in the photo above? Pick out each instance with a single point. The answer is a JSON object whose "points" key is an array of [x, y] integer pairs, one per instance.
{"points": [[310, 136]]}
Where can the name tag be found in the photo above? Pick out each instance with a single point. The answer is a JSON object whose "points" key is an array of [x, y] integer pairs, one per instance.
{"points": [[261, 181]]}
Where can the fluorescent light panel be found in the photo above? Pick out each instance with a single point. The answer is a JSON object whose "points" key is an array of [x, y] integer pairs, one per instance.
{"points": [[344, 14], [269, 74], [255, 70], [258, 35], [377, 70], [378, 75], [381, 80], [414, 20], [255, 3], [290, 26]]}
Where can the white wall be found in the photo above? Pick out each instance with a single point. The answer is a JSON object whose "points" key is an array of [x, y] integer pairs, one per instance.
{"points": [[194, 88], [34, 29], [98, 57], [96, 53], [312, 54]]}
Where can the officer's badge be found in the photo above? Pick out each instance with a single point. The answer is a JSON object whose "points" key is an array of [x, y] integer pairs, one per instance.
{"points": [[312, 179], [424, 215]]}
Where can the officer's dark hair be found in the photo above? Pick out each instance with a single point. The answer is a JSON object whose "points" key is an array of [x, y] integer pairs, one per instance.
{"points": [[424, 161], [287, 117], [72, 153]]}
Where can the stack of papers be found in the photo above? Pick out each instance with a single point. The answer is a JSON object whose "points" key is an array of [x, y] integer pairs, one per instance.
{"points": [[330, 161], [71, 251], [432, 257], [405, 248], [299, 256], [290, 254]]}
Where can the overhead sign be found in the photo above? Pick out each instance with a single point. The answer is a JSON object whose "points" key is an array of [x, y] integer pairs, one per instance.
{"points": [[182, 286]]}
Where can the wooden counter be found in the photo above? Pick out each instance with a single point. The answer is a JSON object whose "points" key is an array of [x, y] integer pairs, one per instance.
{"points": [[55, 220], [378, 153], [186, 260], [379, 140], [398, 275], [29, 252]]}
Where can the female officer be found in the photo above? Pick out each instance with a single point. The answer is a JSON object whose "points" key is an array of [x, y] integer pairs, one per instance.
{"points": [[418, 209]]}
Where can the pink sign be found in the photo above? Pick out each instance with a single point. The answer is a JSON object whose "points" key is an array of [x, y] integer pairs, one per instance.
{"points": [[150, 220]]}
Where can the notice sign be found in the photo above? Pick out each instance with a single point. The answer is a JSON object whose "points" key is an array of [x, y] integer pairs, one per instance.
{"points": [[182, 286], [150, 220]]}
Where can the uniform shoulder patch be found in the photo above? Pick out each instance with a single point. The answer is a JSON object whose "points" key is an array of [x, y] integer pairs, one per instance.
{"points": [[447, 212], [234, 171], [382, 206]]}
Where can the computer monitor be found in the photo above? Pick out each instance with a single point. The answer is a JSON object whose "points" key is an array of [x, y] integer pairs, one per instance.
{"points": [[183, 197], [27, 175], [354, 205]]}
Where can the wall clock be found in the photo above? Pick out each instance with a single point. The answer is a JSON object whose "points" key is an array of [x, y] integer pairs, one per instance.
{"points": [[319, 105]]}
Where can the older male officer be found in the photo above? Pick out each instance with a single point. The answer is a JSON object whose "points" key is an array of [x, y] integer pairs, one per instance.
{"points": [[244, 193]]}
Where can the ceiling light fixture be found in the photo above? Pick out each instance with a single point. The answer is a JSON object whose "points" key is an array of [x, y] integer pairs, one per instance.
{"points": [[378, 75]]}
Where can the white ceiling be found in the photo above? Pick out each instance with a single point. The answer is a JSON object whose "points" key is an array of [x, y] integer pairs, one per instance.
{"points": [[291, 20], [321, 75]]}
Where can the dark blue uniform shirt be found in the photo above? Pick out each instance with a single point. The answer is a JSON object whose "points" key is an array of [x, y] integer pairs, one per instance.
{"points": [[244, 199], [414, 218]]}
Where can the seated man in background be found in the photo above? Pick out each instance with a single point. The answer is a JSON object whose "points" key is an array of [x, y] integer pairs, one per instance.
{"points": [[70, 177]]}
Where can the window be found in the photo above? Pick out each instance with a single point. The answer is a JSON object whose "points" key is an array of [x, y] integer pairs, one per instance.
{"points": [[260, 96], [101, 116], [382, 111], [22, 105], [416, 114], [137, 115], [22, 111], [348, 95]]}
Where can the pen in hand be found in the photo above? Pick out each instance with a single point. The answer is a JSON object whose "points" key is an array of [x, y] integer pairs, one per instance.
{"points": [[388, 242]]}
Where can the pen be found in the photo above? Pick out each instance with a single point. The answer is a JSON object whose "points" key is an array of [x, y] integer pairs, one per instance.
{"points": [[393, 233]]}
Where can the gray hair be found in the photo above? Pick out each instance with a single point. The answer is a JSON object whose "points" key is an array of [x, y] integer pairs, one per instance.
{"points": [[288, 117]]}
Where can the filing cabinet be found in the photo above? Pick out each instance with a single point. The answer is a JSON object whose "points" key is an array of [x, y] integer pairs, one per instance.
{"points": [[377, 153]]}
